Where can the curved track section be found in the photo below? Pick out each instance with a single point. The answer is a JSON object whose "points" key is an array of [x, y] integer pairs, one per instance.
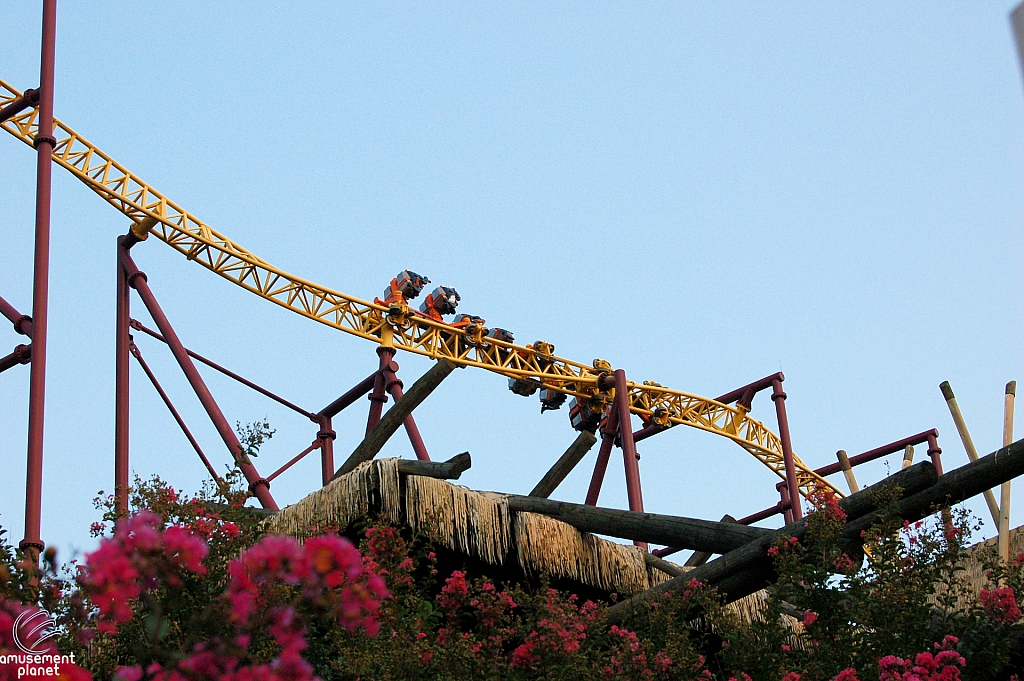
{"points": [[151, 211]]}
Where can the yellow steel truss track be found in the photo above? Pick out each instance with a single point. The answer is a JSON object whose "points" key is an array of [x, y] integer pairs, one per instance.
{"points": [[149, 209]]}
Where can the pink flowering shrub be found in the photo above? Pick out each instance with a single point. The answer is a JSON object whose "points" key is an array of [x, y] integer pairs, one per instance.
{"points": [[140, 556], [188, 589]]}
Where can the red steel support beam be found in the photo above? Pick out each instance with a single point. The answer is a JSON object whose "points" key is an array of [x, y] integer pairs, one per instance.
{"points": [[324, 416], [122, 348], [785, 502], [177, 417], [765, 514], [360, 389], [394, 386], [647, 431], [22, 322], [611, 425], [379, 396], [745, 394], [28, 100], [779, 398], [326, 437], [22, 355], [928, 436], [295, 460], [257, 485], [136, 324], [630, 458], [935, 451], [44, 143], [749, 520]]}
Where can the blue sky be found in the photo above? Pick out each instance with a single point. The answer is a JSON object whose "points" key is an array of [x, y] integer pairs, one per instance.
{"points": [[700, 195]]}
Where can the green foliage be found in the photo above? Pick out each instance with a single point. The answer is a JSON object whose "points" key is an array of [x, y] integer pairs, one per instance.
{"points": [[252, 436]]}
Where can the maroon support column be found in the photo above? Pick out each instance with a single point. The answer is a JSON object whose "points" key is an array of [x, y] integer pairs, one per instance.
{"points": [[137, 280], [793, 484], [393, 385], [935, 451], [611, 423], [629, 456], [378, 397], [784, 502], [44, 143], [122, 349], [326, 437]]}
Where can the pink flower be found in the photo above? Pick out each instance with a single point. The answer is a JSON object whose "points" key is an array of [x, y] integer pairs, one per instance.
{"points": [[1000, 604], [945, 666], [523, 655], [454, 593], [846, 675], [810, 617]]}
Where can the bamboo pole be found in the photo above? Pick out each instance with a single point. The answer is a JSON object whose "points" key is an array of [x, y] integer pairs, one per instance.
{"points": [[851, 479], [1004, 489], [908, 457], [965, 436]]}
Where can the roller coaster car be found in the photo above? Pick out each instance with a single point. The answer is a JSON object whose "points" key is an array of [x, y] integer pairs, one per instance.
{"points": [[584, 416], [441, 301], [551, 399], [406, 286], [523, 386], [466, 320], [501, 335]]}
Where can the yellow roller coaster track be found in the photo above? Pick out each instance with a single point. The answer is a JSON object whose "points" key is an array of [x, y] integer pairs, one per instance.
{"points": [[150, 210]]}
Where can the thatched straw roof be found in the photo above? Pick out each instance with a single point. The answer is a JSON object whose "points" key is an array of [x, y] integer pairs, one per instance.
{"points": [[477, 524]]}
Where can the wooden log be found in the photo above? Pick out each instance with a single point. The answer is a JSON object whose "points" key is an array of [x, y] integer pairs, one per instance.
{"points": [[753, 557], [661, 564], [572, 456], [700, 557], [443, 470], [395, 416], [689, 533]]}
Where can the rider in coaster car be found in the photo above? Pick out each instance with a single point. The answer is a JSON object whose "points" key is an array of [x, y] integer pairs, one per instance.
{"points": [[406, 286], [441, 301]]}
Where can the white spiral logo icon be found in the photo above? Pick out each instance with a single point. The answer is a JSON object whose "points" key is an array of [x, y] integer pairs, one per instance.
{"points": [[41, 630]]}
